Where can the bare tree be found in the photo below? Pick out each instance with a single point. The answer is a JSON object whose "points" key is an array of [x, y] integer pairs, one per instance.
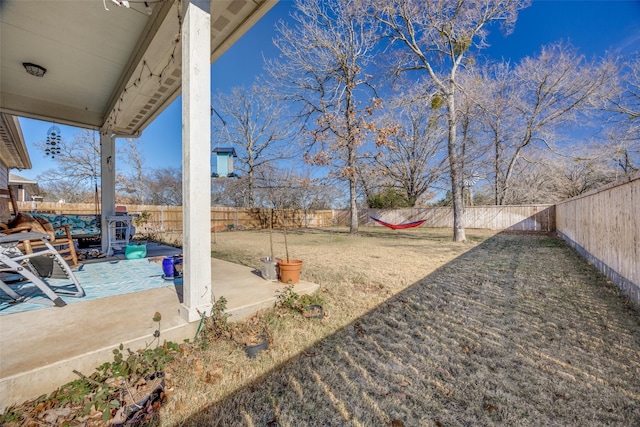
{"points": [[413, 157], [495, 101], [77, 173], [325, 56], [54, 189], [251, 120], [576, 175], [370, 179], [473, 148], [624, 135], [292, 189], [527, 104], [231, 192], [165, 186], [133, 184], [313, 193], [77, 168], [435, 37], [542, 176]]}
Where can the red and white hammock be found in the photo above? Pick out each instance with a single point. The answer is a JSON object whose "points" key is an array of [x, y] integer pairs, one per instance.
{"points": [[399, 226]]}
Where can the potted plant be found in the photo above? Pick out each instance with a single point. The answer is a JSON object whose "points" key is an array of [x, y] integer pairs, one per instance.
{"points": [[252, 335], [257, 344], [313, 311], [289, 268], [269, 270], [310, 306]]}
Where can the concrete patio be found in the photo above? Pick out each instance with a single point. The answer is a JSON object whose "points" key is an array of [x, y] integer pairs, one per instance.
{"points": [[40, 349]]}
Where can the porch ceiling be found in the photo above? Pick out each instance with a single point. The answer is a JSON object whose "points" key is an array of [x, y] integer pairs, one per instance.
{"points": [[117, 68]]}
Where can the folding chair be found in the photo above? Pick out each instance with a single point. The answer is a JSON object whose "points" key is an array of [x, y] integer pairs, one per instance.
{"points": [[13, 261]]}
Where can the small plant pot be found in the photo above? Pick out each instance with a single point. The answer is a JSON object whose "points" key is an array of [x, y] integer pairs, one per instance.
{"points": [[290, 271], [269, 269], [140, 403], [253, 350], [313, 311]]}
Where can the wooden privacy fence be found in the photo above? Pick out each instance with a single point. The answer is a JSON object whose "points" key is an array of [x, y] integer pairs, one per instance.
{"points": [[155, 219], [604, 226], [169, 218], [520, 218]]}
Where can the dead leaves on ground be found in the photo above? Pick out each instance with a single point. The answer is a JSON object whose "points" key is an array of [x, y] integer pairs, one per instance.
{"points": [[213, 375]]}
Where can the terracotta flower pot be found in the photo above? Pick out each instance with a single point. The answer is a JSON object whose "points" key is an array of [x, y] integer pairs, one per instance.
{"points": [[290, 270]]}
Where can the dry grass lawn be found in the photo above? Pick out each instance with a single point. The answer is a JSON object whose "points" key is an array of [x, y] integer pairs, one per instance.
{"points": [[505, 329]]}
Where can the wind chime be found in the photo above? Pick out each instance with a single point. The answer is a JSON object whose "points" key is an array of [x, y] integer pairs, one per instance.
{"points": [[53, 142]]}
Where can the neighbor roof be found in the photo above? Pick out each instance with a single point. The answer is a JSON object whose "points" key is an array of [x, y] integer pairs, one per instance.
{"points": [[15, 179]]}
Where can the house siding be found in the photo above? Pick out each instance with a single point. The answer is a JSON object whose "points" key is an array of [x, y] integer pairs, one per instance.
{"points": [[4, 202]]}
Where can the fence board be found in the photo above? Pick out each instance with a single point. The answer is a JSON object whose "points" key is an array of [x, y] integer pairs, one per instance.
{"points": [[521, 218], [604, 226], [169, 218]]}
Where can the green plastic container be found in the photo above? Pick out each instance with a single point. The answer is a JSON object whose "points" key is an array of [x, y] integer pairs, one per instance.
{"points": [[135, 251]]}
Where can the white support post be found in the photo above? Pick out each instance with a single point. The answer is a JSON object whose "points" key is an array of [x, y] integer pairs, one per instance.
{"points": [[196, 155], [107, 181]]}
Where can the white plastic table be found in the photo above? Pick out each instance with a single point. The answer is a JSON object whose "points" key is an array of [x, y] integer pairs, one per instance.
{"points": [[118, 232]]}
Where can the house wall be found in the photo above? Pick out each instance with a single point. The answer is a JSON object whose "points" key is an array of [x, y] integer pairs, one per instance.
{"points": [[4, 202]]}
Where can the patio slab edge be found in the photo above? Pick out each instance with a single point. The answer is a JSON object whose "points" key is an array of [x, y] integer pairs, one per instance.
{"points": [[246, 294], [43, 380], [241, 312]]}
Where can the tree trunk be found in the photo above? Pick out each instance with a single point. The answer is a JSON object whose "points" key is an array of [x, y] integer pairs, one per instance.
{"points": [[353, 205], [455, 166], [496, 171], [251, 183]]}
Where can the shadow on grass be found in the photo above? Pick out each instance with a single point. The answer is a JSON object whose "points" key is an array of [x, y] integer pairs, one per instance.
{"points": [[517, 331]]}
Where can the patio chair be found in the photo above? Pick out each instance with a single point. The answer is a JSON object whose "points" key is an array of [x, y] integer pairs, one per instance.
{"points": [[22, 222], [26, 223], [12, 260]]}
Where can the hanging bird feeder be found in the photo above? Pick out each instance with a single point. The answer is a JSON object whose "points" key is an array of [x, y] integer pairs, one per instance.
{"points": [[224, 162]]}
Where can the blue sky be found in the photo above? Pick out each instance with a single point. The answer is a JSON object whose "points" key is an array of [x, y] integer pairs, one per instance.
{"points": [[593, 26]]}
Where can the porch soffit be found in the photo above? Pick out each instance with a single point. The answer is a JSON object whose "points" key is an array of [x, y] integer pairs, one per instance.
{"points": [[13, 151], [117, 68]]}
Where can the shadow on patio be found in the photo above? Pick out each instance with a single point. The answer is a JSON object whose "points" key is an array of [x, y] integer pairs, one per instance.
{"points": [[518, 331]]}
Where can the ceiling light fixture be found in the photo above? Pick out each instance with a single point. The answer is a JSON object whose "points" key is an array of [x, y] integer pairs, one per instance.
{"points": [[34, 69], [124, 3]]}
